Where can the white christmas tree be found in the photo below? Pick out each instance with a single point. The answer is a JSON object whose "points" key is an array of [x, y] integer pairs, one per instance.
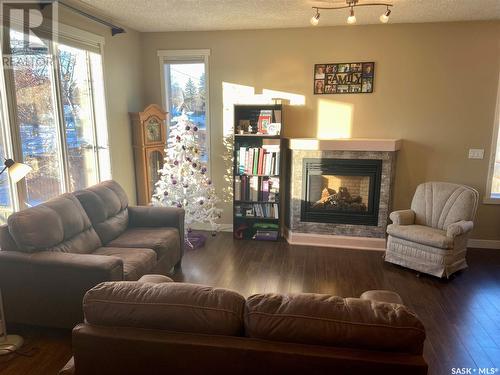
{"points": [[184, 182]]}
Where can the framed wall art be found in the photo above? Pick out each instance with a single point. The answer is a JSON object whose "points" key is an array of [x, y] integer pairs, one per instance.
{"points": [[344, 78]]}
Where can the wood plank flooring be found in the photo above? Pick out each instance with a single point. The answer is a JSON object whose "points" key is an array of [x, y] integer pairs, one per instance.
{"points": [[461, 316]]}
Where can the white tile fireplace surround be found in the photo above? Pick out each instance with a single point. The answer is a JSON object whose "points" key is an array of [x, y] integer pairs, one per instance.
{"points": [[339, 191]]}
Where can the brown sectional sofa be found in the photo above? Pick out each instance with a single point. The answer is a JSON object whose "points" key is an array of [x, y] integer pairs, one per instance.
{"points": [[52, 254], [156, 326]]}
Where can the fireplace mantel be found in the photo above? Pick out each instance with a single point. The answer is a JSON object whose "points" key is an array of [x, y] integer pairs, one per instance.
{"points": [[347, 144]]}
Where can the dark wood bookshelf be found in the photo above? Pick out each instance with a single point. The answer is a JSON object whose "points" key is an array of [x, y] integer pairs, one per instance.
{"points": [[246, 227]]}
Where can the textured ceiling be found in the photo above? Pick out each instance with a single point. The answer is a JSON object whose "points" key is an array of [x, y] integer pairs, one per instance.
{"points": [[184, 15]]}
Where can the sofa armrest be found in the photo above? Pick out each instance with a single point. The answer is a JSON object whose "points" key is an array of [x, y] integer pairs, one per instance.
{"points": [[47, 288], [150, 216], [403, 217], [382, 296], [459, 228]]}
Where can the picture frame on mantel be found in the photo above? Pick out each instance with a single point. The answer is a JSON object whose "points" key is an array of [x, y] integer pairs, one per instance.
{"points": [[344, 78]]}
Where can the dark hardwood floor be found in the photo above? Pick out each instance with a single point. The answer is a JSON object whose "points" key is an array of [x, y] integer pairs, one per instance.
{"points": [[462, 315]]}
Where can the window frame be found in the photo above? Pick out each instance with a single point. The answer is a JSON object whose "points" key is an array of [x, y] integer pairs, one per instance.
{"points": [[72, 37], [185, 56], [488, 199]]}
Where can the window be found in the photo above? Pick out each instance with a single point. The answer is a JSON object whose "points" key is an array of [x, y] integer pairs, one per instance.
{"points": [[185, 90], [58, 118], [493, 187]]}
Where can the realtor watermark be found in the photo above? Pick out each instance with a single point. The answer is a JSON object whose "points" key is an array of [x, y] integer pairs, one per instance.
{"points": [[29, 29], [475, 370]]}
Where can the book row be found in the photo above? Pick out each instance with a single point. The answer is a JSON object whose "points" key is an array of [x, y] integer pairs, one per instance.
{"points": [[263, 160], [264, 210], [255, 188]]}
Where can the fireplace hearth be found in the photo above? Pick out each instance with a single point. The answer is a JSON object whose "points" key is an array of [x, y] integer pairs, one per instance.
{"points": [[344, 191]]}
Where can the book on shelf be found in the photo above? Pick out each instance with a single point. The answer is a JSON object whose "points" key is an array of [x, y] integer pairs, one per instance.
{"points": [[256, 188], [257, 210], [263, 160]]}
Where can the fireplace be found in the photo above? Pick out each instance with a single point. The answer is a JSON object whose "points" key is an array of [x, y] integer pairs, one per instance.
{"points": [[343, 191]]}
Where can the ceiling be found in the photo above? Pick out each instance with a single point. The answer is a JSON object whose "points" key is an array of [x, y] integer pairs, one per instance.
{"points": [[190, 15]]}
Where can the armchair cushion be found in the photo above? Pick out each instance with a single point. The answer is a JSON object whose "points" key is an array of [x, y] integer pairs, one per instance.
{"points": [[136, 262], [403, 217], [459, 228], [161, 240], [421, 234]]}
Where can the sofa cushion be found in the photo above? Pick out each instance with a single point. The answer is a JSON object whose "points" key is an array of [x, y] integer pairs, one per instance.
{"points": [[421, 234], [136, 262], [333, 321], [161, 240], [106, 206], [167, 306], [59, 224]]}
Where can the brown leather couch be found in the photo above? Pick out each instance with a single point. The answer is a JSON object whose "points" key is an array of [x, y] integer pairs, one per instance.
{"points": [[52, 254], [155, 326]]}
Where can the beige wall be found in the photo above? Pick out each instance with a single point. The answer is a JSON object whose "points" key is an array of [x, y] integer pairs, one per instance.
{"points": [[122, 63], [435, 88]]}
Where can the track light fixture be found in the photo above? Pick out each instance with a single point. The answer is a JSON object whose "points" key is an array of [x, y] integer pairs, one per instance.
{"points": [[351, 4]]}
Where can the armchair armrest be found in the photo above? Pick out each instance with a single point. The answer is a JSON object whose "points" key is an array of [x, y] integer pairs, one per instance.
{"points": [[403, 217], [47, 288], [459, 228]]}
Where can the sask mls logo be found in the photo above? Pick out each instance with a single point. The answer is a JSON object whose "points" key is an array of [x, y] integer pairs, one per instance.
{"points": [[33, 21]]}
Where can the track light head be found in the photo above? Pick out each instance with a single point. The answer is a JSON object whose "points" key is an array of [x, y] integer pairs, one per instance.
{"points": [[384, 18], [315, 18], [351, 20]]}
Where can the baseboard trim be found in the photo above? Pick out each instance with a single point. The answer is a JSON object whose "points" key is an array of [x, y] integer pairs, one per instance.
{"points": [[484, 244], [344, 242]]}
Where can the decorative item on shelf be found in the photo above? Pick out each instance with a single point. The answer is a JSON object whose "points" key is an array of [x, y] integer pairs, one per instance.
{"points": [[351, 4], [184, 180], [344, 78], [149, 139]]}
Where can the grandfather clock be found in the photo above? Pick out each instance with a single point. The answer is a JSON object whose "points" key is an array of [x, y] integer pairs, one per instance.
{"points": [[149, 141]]}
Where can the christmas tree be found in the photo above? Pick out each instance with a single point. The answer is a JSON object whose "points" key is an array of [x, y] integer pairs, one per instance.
{"points": [[184, 182]]}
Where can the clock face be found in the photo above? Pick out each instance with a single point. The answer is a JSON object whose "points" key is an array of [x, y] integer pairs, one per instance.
{"points": [[153, 130]]}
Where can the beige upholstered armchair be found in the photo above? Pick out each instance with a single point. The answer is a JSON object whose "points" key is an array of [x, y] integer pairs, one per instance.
{"points": [[432, 236]]}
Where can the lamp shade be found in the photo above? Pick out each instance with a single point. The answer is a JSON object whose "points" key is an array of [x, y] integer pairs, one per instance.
{"points": [[17, 171]]}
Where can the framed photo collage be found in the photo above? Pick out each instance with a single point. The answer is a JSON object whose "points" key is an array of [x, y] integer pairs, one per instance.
{"points": [[344, 78]]}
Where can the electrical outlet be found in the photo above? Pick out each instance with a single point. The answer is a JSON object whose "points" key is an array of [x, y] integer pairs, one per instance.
{"points": [[476, 153]]}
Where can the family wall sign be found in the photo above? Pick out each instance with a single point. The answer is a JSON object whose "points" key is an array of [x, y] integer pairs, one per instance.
{"points": [[344, 78]]}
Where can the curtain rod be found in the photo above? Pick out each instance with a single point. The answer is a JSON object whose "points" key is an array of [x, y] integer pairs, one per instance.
{"points": [[114, 29]]}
